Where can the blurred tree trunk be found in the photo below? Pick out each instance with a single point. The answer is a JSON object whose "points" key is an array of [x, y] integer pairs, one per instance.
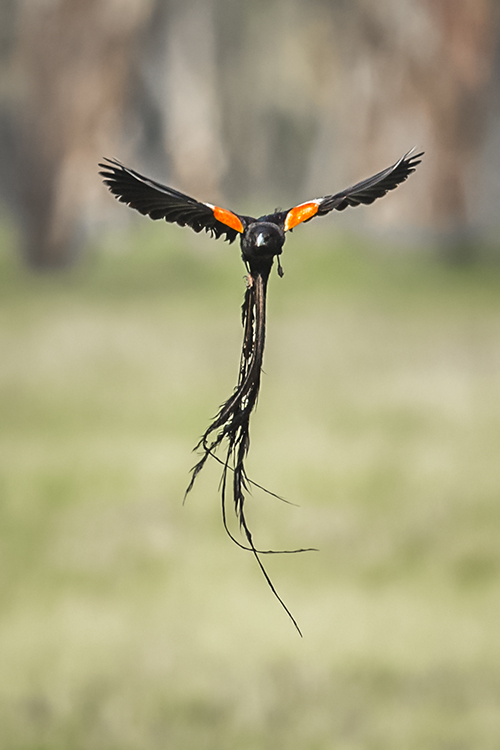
{"points": [[414, 72], [269, 54], [71, 66], [181, 76]]}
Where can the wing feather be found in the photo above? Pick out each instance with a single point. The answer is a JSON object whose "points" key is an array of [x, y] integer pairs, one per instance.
{"points": [[373, 187], [364, 192], [158, 201]]}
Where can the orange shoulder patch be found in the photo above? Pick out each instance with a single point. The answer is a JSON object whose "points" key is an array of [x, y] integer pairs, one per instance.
{"points": [[227, 218], [300, 213]]}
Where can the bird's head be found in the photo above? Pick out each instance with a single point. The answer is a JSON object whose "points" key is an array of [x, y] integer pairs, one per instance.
{"points": [[262, 240]]}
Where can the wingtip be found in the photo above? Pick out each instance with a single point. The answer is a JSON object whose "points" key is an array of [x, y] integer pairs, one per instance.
{"points": [[113, 162], [411, 155]]}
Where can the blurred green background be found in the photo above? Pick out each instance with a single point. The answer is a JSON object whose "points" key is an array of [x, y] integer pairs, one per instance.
{"points": [[129, 621]]}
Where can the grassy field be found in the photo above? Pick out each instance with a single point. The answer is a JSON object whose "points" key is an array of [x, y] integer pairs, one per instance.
{"points": [[130, 622]]}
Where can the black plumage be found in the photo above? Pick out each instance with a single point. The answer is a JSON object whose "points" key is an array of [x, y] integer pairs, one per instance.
{"points": [[261, 242]]}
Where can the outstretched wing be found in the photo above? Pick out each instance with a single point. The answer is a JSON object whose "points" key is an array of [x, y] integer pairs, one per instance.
{"points": [[363, 192], [161, 202]]}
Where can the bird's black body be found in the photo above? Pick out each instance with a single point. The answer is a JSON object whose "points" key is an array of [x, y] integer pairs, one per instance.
{"points": [[261, 241]]}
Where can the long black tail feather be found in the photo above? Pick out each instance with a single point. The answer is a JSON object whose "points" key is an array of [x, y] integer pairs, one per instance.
{"points": [[232, 423]]}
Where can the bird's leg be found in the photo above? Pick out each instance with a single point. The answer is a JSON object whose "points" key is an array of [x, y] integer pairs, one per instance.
{"points": [[281, 272]]}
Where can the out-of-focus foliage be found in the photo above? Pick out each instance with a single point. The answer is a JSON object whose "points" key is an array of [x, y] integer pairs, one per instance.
{"points": [[259, 103]]}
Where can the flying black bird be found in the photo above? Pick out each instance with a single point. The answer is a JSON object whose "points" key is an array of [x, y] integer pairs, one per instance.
{"points": [[261, 241]]}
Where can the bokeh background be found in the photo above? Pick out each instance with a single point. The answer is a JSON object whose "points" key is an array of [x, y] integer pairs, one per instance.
{"points": [[129, 620]]}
